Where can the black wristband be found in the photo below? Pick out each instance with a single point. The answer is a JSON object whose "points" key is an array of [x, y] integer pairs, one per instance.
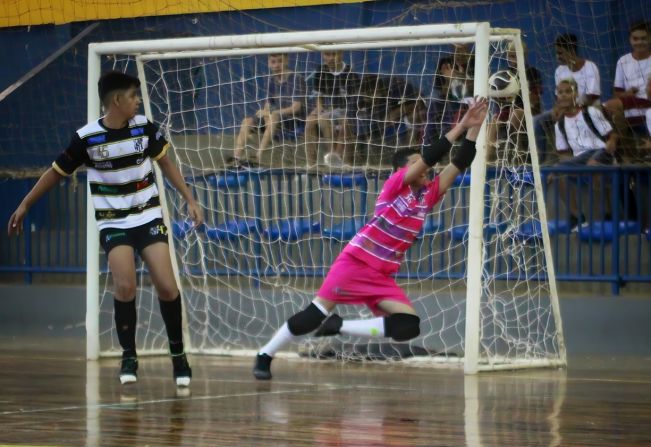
{"points": [[436, 151], [464, 156]]}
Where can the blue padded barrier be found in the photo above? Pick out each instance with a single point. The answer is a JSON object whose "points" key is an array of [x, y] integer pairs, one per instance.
{"points": [[292, 229]]}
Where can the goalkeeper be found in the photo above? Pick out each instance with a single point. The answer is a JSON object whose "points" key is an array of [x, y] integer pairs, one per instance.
{"points": [[363, 272]]}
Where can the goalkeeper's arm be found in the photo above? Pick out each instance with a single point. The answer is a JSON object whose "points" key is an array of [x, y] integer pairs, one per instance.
{"points": [[471, 121]]}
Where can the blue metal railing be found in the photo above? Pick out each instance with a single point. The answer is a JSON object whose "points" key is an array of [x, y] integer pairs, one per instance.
{"points": [[292, 223]]}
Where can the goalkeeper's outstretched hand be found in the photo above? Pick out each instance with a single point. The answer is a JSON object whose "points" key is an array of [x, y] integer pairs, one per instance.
{"points": [[476, 114]]}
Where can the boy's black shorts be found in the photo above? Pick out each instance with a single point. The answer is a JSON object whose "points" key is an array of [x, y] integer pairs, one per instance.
{"points": [[136, 237]]}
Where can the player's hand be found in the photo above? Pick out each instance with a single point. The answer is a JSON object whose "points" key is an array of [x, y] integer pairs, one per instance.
{"points": [[611, 146], [15, 224], [476, 113], [196, 214]]}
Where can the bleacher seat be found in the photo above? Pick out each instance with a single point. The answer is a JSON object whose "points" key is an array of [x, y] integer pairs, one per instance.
{"points": [[604, 230], [180, 228], [233, 229], [431, 226], [462, 179], [292, 229], [228, 181], [343, 231], [529, 231], [559, 227], [459, 233], [344, 180]]}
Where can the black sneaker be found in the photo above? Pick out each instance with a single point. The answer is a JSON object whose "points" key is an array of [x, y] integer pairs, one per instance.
{"points": [[182, 370], [331, 326], [262, 367], [128, 370]]}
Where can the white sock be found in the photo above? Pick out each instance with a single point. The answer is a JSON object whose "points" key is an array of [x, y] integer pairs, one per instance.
{"points": [[278, 341], [373, 327]]}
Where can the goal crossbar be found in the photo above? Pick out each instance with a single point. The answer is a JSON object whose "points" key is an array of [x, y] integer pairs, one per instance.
{"points": [[286, 39]]}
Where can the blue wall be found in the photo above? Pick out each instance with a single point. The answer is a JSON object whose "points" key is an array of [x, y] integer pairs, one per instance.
{"points": [[36, 121]]}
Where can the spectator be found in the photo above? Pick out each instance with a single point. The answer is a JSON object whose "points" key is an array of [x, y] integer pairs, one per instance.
{"points": [[509, 118], [330, 86], [283, 107], [584, 134], [450, 90], [646, 143], [627, 108], [464, 64], [571, 66], [584, 72]]}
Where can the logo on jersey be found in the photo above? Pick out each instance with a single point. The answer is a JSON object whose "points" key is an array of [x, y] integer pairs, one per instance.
{"points": [[102, 152], [158, 229], [158, 135], [138, 146], [103, 165]]}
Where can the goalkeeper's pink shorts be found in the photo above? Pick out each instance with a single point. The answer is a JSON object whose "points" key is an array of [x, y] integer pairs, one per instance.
{"points": [[351, 281]]}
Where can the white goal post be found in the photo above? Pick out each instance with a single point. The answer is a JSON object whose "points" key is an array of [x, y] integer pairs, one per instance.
{"points": [[493, 313]]}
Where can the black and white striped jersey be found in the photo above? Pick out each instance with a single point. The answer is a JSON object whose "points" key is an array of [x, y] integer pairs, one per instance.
{"points": [[120, 171]]}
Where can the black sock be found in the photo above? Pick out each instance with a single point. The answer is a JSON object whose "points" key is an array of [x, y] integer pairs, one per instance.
{"points": [[125, 324], [171, 313]]}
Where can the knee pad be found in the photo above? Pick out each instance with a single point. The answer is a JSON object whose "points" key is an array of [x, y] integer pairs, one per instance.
{"points": [[402, 327], [306, 320]]}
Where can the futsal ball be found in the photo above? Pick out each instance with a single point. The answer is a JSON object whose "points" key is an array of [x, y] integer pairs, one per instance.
{"points": [[503, 84]]}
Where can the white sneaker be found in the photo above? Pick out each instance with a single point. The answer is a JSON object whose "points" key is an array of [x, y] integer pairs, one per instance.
{"points": [[333, 159]]}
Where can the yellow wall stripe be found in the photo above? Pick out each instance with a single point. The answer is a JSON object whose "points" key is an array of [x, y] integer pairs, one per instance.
{"points": [[38, 12]]}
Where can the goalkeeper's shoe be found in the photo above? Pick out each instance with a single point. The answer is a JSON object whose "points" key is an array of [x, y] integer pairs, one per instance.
{"points": [[128, 370], [331, 326], [182, 370], [262, 367]]}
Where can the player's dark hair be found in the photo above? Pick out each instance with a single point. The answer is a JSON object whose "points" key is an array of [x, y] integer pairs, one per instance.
{"points": [[115, 80], [567, 41], [639, 26], [401, 156]]}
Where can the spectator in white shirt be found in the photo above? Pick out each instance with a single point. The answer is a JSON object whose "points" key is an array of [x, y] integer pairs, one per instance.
{"points": [[584, 72], [631, 76], [583, 138]]}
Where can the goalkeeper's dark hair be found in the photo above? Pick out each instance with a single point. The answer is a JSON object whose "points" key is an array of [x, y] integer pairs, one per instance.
{"points": [[115, 80], [401, 156]]}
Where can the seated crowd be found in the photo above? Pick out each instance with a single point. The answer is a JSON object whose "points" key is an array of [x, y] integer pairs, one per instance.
{"points": [[335, 109]]}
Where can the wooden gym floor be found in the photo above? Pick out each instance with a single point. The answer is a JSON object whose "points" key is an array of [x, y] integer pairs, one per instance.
{"points": [[50, 396]]}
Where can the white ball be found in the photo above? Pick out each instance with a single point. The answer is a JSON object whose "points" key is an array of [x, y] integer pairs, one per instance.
{"points": [[503, 84]]}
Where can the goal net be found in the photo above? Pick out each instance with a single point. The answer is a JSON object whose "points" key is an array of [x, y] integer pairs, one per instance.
{"points": [[480, 274]]}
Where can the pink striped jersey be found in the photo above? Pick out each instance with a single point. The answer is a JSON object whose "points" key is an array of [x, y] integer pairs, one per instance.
{"points": [[398, 218]]}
